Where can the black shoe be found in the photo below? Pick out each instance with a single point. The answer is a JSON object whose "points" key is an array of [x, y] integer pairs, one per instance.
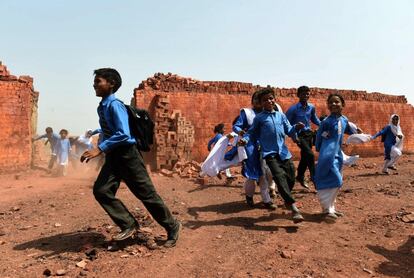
{"points": [[173, 235], [249, 201], [303, 182], [392, 167], [270, 206], [126, 233]]}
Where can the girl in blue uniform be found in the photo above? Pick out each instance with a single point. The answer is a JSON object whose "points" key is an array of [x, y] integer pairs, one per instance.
{"points": [[392, 138], [219, 131], [328, 173], [253, 168]]}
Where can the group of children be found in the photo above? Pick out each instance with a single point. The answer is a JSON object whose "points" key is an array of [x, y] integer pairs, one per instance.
{"points": [[262, 130], [65, 149]]}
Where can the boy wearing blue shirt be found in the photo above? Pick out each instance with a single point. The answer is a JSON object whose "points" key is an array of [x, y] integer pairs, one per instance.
{"points": [[304, 112], [124, 162], [270, 128], [52, 139]]}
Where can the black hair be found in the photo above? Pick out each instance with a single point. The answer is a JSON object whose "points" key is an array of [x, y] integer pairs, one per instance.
{"points": [[254, 96], [263, 92], [337, 95], [49, 128], [64, 131], [219, 128], [111, 75], [302, 89]]}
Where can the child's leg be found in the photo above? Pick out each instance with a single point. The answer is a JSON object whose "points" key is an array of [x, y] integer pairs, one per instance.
{"points": [[249, 187], [264, 189], [132, 170], [52, 161], [269, 178], [327, 199], [307, 157], [280, 177]]}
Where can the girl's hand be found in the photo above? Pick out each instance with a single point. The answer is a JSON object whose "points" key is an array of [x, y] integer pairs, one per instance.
{"points": [[242, 142], [299, 126]]}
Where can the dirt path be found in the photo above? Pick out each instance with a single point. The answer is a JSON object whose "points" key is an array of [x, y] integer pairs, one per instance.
{"points": [[52, 224]]}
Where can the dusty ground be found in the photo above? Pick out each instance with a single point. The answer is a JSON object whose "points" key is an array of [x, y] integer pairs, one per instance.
{"points": [[52, 224]]}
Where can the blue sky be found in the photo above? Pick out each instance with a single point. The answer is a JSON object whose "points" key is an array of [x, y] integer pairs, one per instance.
{"points": [[364, 45]]}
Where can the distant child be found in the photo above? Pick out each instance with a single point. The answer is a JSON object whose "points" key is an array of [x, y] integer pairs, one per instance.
{"points": [[219, 132], [124, 162], [62, 150], [51, 139], [253, 168], [270, 128], [393, 142], [328, 172], [304, 112]]}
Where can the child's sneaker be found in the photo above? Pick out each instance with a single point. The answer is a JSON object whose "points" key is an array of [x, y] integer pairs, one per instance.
{"points": [[270, 206], [331, 217]]}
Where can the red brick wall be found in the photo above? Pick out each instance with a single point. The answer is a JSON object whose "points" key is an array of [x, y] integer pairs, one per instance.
{"points": [[207, 103], [18, 106]]}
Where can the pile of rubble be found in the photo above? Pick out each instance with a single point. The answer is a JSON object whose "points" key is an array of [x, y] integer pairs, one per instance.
{"points": [[183, 169], [174, 135]]}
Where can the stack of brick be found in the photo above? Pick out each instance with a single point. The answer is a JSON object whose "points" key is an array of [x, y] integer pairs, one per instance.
{"points": [[174, 135], [18, 117]]}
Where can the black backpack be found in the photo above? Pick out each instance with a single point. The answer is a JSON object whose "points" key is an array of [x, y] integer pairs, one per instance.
{"points": [[141, 127]]}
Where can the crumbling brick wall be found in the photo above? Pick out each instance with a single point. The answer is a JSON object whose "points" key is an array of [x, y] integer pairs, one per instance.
{"points": [[18, 118], [207, 103]]}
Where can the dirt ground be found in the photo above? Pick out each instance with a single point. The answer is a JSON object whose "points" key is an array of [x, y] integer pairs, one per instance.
{"points": [[53, 226]]}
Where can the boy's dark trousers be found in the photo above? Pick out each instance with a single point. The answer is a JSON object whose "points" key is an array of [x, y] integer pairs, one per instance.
{"points": [[307, 157], [126, 163], [283, 173]]}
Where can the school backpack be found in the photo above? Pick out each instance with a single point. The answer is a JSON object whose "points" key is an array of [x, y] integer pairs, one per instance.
{"points": [[141, 127]]}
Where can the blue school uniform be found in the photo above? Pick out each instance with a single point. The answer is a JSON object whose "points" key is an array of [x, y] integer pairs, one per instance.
{"points": [[52, 141], [390, 140], [270, 129], [328, 173], [298, 113], [252, 169], [214, 141], [62, 150], [113, 119]]}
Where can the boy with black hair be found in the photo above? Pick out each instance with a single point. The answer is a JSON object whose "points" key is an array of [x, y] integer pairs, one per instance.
{"points": [[304, 112], [52, 138], [124, 162], [270, 128]]}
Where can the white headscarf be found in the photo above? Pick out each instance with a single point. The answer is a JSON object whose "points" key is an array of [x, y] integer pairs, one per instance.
{"points": [[396, 130]]}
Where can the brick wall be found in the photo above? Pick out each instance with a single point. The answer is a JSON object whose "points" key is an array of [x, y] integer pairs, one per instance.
{"points": [[18, 117], [206, 103]]}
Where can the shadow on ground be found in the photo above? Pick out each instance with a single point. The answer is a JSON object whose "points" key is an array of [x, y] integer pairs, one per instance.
{"points": [[400, 262], [67, 242]]}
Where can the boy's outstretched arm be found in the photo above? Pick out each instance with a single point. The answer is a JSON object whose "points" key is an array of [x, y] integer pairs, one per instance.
{"points": [[88, 155]]}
